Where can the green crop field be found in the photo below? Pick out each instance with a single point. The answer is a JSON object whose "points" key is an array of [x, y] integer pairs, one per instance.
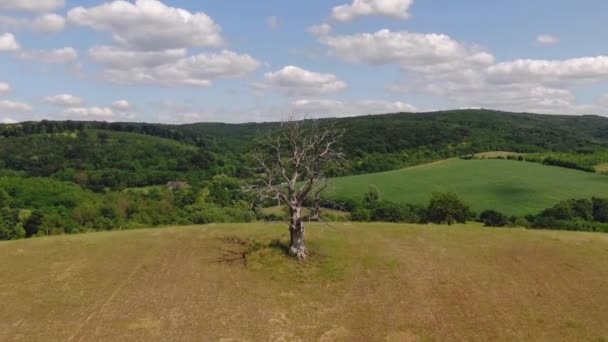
{"points": [[363, 282], [512, 187]]}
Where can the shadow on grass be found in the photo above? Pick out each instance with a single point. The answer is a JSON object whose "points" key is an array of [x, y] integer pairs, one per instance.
{"points": [[239, 250], [280, 246]]}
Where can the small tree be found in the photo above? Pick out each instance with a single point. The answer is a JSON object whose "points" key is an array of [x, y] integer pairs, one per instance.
{"points": [[600, 209], [4, 199], [371, 197], [292, 163], [447, 208], [492, 218]]}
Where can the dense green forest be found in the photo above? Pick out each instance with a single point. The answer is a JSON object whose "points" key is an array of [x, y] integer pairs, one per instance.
{"points": [[68, 176], [371, 143]]}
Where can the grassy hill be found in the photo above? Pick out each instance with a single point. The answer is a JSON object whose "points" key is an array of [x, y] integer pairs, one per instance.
{"points": [[512, 187], [369, 282]]}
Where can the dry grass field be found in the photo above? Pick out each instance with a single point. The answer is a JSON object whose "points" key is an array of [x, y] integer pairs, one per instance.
{"points": [[364, 282]]}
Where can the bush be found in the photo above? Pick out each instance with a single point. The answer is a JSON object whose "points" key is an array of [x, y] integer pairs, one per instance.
{"points": [[492, 218], [447, 208], [371, 197], [571, 210], [361, 214], [33, 223], [10, 231], [600, 209], [387, 212]]}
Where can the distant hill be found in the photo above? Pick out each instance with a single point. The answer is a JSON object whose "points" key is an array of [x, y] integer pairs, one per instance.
{"points": [[99, 159], [509, 186], [372, 143]]}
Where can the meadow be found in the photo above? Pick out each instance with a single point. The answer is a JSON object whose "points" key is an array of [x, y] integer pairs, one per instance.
{"points": [[363, 282], [509, 186]]}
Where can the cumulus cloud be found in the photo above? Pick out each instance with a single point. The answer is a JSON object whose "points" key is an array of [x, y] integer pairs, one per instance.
{"points": [[7, 106], [551, 71], [121, 105], [31, 5], [45, 23], [8, 43], [547, 39], [409, 50], [335, 108], [320, 30], [48, 23], [5, 87], [172, 112], [295, 81], [90, 112], [199, 70], [66, 100], [273, 23], [467, 75], [149, 25], [58, 56], [7, 120], [398, 9], [119, 58]]}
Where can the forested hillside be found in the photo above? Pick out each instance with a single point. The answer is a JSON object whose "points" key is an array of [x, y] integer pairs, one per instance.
{"points": [[371, 143]]}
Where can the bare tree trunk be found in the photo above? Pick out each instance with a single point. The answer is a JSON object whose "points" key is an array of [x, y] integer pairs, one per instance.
{"points": [[315, 213], [296, 232]]}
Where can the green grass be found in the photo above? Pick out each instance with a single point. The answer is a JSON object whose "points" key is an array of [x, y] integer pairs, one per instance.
{"points": [[363, 282], [512, 187]]}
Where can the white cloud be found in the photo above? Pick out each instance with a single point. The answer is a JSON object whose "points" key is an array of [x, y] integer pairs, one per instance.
{"points": [[320, 30], [118, 58], [409, 50], [121, 105], [273, 22], [7, 120], [5, 87], [150, 25], [551, 71], [468, 76], [31, 5], [8, 43], [335, 108], [48, 23], [90, 112], [198, 71], [398, 9], [12, 107], [58, 56], [66, 100], [295, 81], [172, 112], [547, 39]]}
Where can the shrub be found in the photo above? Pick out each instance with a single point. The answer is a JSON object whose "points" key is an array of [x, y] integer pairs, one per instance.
{"points": [[387, 212], [492, 218], [10, 231], [33, 223], [361, 214], [447, 208], [600, 209], [371, 197], [4, 199], [571, 210]]}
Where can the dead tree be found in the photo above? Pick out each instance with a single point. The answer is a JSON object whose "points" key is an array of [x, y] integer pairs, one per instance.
{"points": [[293, 160]]}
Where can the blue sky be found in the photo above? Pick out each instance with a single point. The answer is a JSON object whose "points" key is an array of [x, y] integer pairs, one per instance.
{"points": [[246, 60]]}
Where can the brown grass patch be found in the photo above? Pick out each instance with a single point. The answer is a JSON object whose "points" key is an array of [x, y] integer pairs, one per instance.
{"points": [[370, 282]]}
